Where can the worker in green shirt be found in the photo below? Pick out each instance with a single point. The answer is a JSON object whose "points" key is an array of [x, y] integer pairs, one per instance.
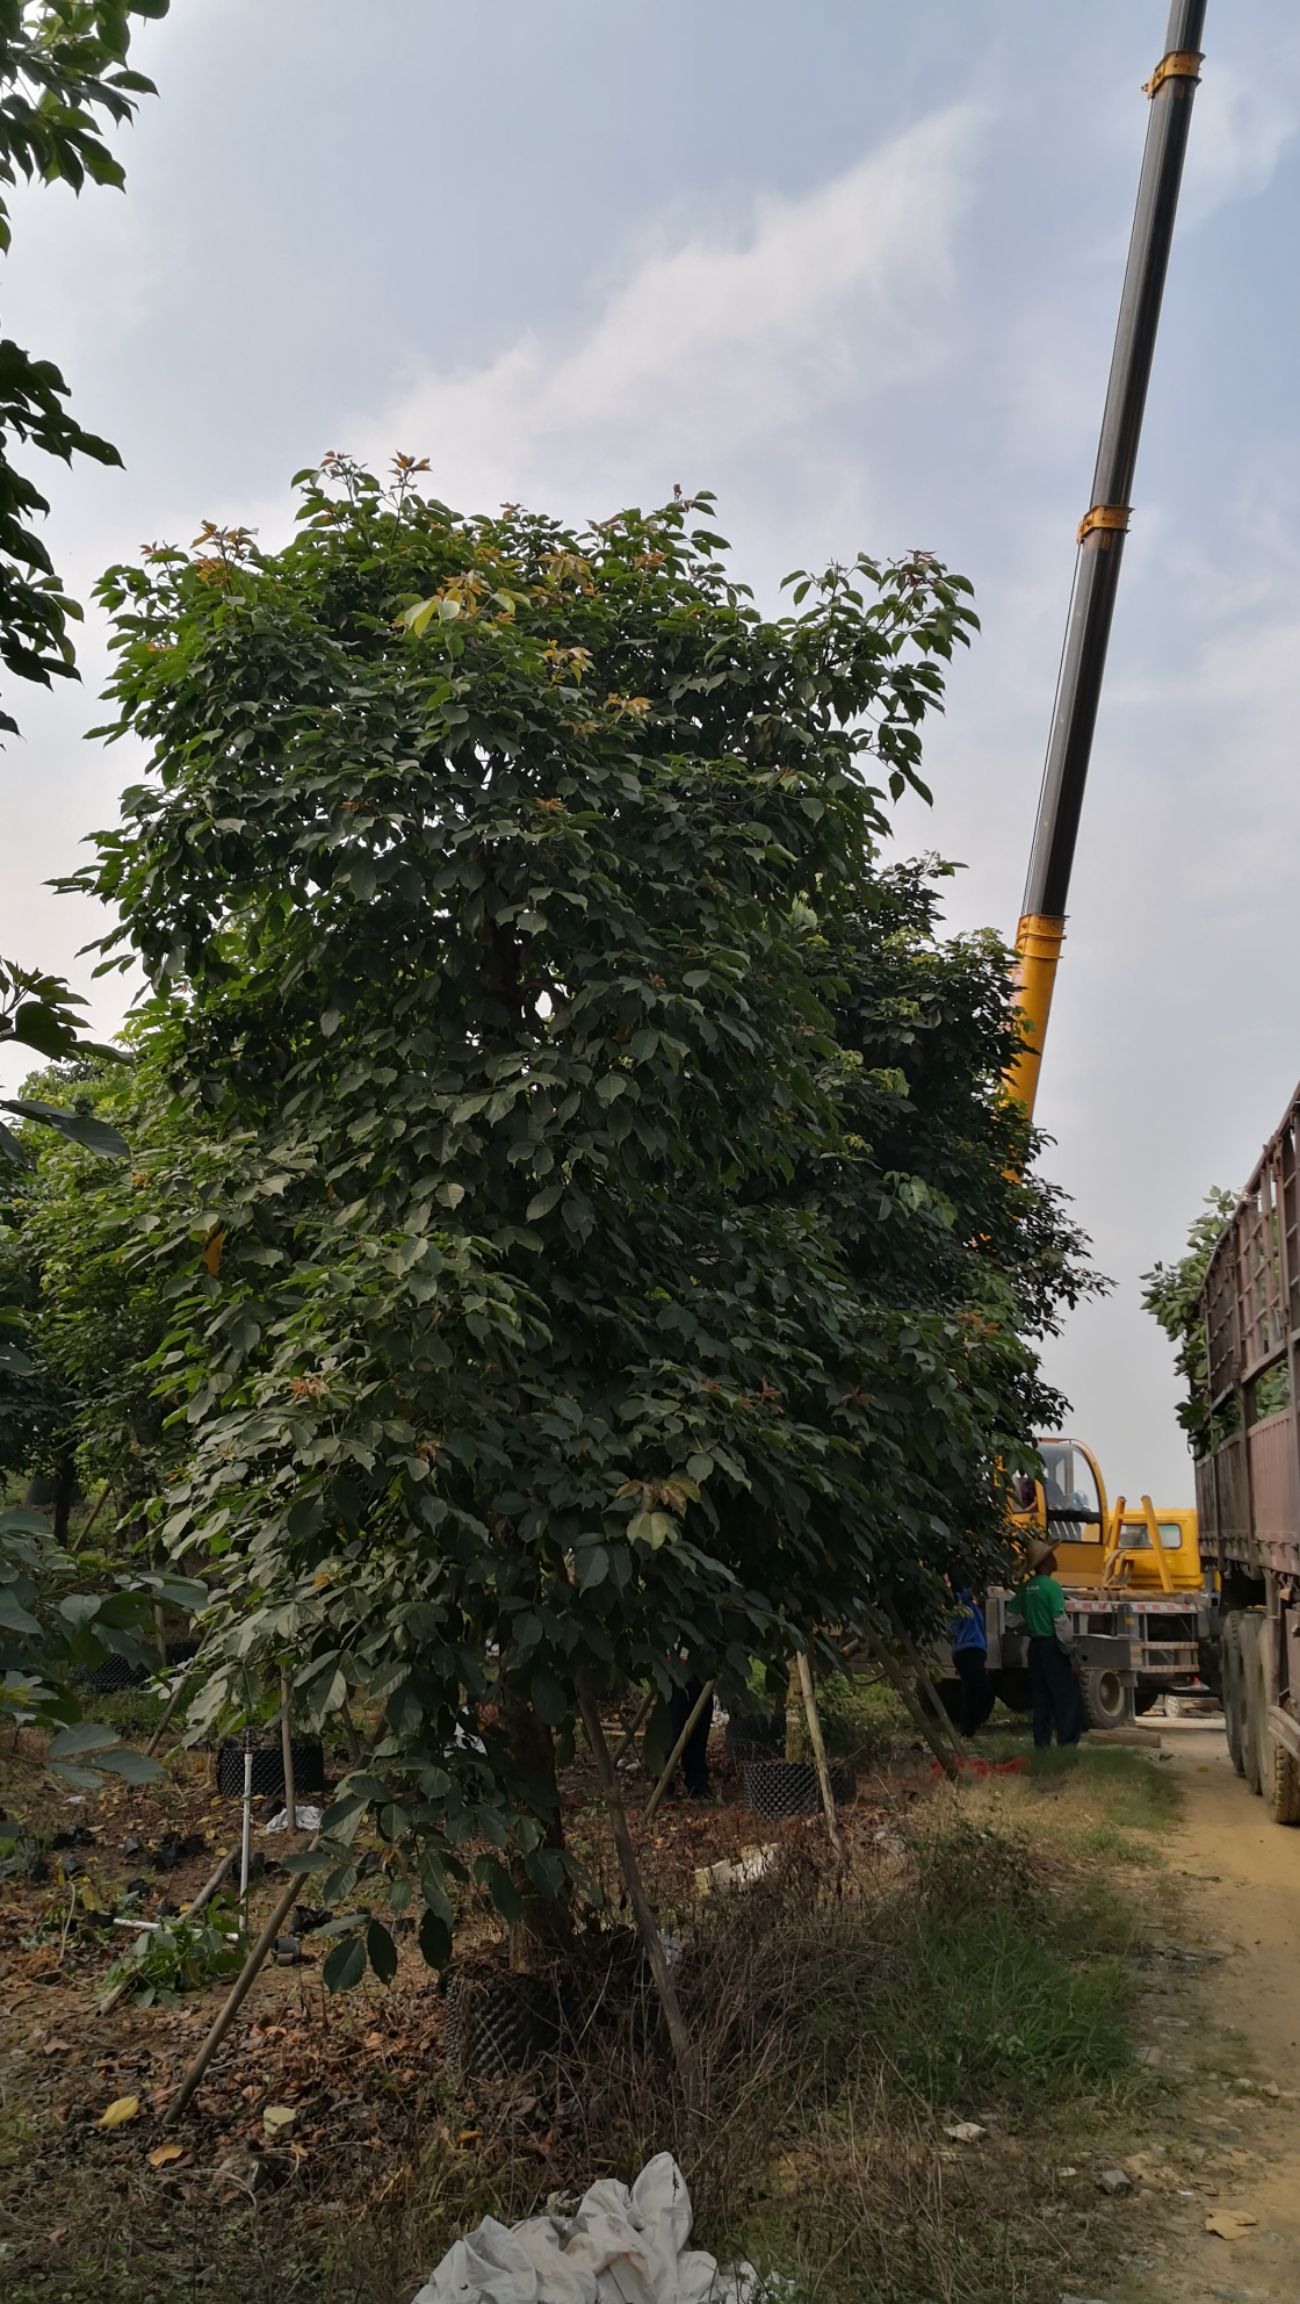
{"points": [[1040, 1604]]}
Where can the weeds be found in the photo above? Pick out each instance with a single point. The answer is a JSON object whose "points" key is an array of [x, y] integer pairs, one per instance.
{"points": [[182, 1955], [835, 2025]]}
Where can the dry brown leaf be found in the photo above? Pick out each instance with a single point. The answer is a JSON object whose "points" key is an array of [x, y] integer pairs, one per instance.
{"points": [[125, 2108], [163, 2155], [278, 2117]]}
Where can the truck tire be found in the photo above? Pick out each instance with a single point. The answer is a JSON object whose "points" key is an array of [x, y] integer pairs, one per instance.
{"points": [[1107, 1701], [1254, 1726], [1282, 1790], [1233, 1713]]}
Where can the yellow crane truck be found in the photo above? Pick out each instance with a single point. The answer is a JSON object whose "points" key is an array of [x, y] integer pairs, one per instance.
{"points": [[1138, 1627], [1133, 1584]]}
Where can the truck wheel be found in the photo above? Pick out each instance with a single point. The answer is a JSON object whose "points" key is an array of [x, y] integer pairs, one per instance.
{"points": [[1282, 1791], [1107, 1702], [1233, 1710], [1254, 1727]]}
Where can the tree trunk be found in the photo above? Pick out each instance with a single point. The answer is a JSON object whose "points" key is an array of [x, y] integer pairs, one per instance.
{"points": [[65, 1496], [796, 1724], [545, 1926]]}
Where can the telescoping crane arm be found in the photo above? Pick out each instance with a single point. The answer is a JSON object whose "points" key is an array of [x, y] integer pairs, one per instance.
{"points": [[1101, 540]]}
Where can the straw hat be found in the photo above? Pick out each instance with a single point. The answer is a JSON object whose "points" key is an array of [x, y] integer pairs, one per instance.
{"points": [[1038, 1552]]}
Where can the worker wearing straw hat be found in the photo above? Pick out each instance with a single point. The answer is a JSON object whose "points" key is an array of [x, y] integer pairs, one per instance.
{"points": [[1040, 1604]]}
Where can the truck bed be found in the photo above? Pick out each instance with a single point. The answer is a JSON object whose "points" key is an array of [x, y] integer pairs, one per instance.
{"points": [[1248, 1489]]}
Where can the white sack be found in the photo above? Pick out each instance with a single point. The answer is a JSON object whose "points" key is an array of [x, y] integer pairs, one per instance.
{"points": [[621, 2248]]}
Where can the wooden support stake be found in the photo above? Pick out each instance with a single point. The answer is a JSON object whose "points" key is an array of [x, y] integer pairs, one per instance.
{"points": [[234, 2002], [925, 1683], [915, 1710], [210, 1887], [643, 1711], [818, 1743], [355, 1754], [647, 1927], [677, 1751], [98, 1506], [286, 1750], [170, 1707]]}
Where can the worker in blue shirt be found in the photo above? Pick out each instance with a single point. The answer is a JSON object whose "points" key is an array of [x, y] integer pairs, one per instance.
{"points": [[969, 1642]]}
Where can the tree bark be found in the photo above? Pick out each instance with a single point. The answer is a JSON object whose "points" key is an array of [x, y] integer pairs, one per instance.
{"points": [[545, 1926]]}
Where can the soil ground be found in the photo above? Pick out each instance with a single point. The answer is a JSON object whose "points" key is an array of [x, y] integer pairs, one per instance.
{"points": [[1240, 2142], [1212, 2133]]}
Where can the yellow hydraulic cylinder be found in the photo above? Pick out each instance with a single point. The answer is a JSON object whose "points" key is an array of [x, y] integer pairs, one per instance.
{"points": [[1038, 950]]}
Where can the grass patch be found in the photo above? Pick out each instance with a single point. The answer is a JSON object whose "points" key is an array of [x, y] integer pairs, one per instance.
{"points": [[1114, 1846], [1130, 1788]]}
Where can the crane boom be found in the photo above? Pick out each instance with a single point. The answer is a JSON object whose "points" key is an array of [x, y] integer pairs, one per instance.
{"points": [[1171, 89]]}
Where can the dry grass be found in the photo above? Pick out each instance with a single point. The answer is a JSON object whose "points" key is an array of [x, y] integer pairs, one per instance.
{"points": [[970, 1968]]}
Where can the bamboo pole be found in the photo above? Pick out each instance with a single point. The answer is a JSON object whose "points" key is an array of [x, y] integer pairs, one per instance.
{"points": [[232, 2005], [924, 1681], [355, 1754], [98, 1506], [642, 1714], [818, 1743], [210, 1887], [169, 1708], [647, 1926], [907, 1695], [677, 1751]]}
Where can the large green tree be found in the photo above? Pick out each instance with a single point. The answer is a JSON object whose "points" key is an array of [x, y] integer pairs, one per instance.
{"points": [[608, 1245], [63, 74]]}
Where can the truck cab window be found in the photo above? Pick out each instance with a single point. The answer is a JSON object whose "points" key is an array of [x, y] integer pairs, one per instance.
{"points": [[1073, 1504]]}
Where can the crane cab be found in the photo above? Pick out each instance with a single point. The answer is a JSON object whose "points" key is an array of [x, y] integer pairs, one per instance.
{"points": [[1066, 1507]]}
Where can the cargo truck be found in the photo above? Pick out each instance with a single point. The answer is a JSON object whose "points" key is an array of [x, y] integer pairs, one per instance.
{"points": [[1248, 1478]]}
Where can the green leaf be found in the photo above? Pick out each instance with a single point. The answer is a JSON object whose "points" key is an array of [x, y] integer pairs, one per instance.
{"points": [[79, 1127], [41, 1027], [83, 1737], [382, 1952], [134, 1767], [345, 1965], [342, 1821], [542, 1202], [14, 1617], [435, 1939], [502, 1890], [593, 1568], [549, 1698]]}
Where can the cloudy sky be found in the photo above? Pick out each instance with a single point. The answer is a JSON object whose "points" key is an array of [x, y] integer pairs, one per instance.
{"points": [[855, 267]]}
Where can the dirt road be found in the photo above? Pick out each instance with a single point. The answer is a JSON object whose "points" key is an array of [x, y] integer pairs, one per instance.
{"points": [[1243, 1886]]}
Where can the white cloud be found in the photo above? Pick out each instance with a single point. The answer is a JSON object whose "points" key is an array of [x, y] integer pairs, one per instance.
{"points": [[1243, 123], [715, 344]]}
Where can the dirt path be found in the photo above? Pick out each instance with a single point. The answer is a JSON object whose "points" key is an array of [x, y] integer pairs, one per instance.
{"points": [[1242, 1875]]}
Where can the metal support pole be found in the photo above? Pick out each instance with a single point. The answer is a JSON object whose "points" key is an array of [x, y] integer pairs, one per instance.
{"points": [[1171, 89]]}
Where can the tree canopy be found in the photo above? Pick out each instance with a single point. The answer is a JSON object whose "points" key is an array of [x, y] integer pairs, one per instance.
{"points": [[594, 1218], [63, 72]]}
